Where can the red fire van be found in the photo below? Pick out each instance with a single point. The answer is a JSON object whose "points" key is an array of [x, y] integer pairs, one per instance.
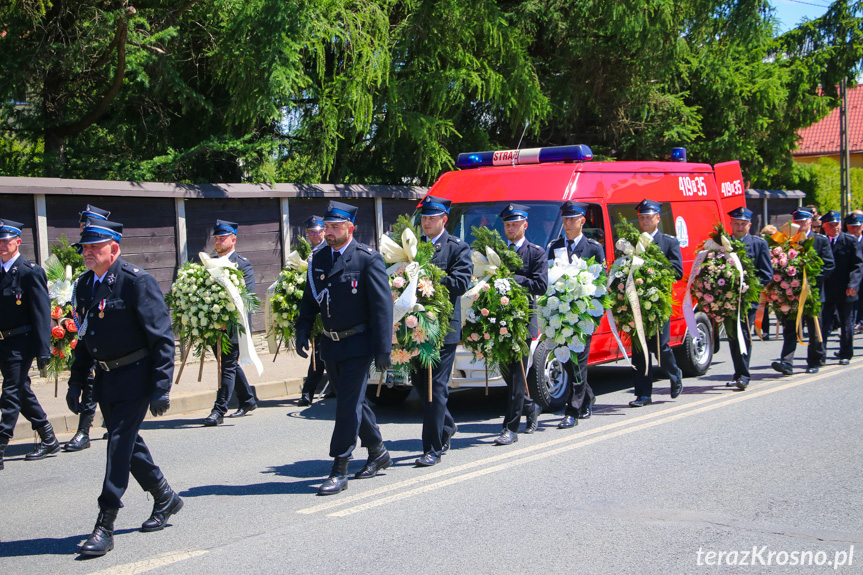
{"points": [[694, 197]]}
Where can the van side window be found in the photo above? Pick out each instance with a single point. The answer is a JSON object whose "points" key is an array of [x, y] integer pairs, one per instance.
{"points": [[544, 220], [594, 226], [666, 219]]}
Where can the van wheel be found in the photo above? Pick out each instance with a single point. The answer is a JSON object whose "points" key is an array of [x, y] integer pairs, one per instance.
{"points": [[389, 395], [547, 380], [696, 354]]}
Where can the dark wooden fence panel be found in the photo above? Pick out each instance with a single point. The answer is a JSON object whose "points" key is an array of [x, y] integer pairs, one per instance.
{"points": [[258, 237], [20, 209], [392, 209], [149, 238]]}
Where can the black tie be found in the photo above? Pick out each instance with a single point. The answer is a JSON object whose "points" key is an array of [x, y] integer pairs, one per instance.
{"points": [[336, 256], [93, 291], [512, 247], [569, 246]]}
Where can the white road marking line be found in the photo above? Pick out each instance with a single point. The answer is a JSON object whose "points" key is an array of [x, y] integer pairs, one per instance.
{"points": [[149, 564], [569, 443]]}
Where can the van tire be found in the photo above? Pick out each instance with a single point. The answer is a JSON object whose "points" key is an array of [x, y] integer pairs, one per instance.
{"points": [[389, 396], [694, 357], [547, 381]]}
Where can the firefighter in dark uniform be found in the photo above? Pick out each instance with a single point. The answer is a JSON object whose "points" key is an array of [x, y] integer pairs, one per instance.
{"points": [[815, 355], [349, 287], [758, 252], [453, 257], [579, 395], [233, 376], [25, 330], [315, 375], [86, 402], [124, 333], [648, 220], [841, 287], [534, 277]]}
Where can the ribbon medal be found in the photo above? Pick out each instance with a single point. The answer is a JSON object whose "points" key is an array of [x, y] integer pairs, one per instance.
{"points": [[101, 309], [354, 286], [18, 298]]}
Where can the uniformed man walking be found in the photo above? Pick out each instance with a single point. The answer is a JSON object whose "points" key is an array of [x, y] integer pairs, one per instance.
{"points": [[124, 332], [534, 277], [315, 235], [82, 398], [453, 257], [648, 220], [579, 394], [842, 285], [349, 287], [815, 355], [25, 330], [232, 377], [758, 252]]}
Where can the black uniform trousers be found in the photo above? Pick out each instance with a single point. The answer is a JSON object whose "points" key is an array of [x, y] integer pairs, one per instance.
{"points": [[354, 417], [18, 397], [316, 373], [644, 382], [740, 361], [518, 402], [578, 393], [815, 354], [87, 407], [127, 451], [233, 378], [845, 321], [437, 420]]}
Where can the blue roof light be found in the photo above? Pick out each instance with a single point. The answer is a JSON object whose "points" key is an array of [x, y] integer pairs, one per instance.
{"points": [[678, 154], [576, 153]]}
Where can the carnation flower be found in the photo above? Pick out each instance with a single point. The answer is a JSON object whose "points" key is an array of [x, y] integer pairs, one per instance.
{"points": [[484, 311], [504, 300], [411, 321], [398, 282]]}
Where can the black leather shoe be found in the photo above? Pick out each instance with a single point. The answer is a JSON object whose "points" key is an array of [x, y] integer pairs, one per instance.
{"points": [[506, 437], [782, 367], [215, 418], [532, 421], [79, 442], [427, 460], [731, 383], [742, 385], [102, 539], [47, 446], [586, 410], [379, 459], [813, 369], [844, 361], [640, 402], [305, 400], [338, 479], [567, 422], [165, 503], [676, 388], [244, 410], [447, 438]]}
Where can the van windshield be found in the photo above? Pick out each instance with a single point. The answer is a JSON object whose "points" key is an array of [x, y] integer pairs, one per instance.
{"points": [[543, 221]]}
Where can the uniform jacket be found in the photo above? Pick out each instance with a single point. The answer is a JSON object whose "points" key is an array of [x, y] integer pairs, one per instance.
{"points": [[135, 317], [758, 251], [245, 266], [533, 276], [849, 268], [671, 248], [359, 268], [25, 282], [821, 245], [585, 249], [453, 256]]}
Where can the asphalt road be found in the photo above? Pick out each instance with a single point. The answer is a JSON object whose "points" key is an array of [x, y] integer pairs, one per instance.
{"points": [[663, 489]]}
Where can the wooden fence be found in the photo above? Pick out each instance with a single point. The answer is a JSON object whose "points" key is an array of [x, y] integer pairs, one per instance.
{"points": [[167, 224]]}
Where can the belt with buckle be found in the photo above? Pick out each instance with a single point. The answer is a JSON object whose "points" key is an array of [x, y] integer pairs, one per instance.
{"points": [[15, 331], [125, 360], [340, 335]]}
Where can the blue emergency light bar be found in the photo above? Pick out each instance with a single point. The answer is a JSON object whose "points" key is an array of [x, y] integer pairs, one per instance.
{"points": [[678, 154], [577, 153]]}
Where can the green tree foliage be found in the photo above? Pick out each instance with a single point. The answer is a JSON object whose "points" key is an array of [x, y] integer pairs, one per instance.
{"points": [[389, 91]]}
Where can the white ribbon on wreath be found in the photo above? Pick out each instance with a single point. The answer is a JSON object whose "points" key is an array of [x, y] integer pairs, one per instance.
{"points": [[401, 258]]}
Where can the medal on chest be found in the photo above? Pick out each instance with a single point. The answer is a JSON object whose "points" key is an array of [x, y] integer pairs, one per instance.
{"points": [[354, 286], [17, 299], [101, 309]]}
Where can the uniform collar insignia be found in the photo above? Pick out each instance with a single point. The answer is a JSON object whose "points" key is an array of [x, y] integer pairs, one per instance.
{"points": [[111, 279]]}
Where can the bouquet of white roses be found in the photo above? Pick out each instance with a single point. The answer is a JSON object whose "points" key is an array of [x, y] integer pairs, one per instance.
{"points": [[573, 306]]}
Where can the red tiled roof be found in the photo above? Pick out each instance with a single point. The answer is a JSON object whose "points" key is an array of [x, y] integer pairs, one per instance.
{"points": [[822, 138]]}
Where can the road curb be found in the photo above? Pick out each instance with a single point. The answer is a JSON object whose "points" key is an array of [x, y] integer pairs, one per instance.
{"points": [[180, 403]]}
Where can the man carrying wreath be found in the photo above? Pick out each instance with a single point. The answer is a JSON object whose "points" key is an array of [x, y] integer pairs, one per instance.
{"points": [[453, 257], [533, 276], [758, 251], [648, 220], [579, 395], [815, 355], [348, 285]]}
